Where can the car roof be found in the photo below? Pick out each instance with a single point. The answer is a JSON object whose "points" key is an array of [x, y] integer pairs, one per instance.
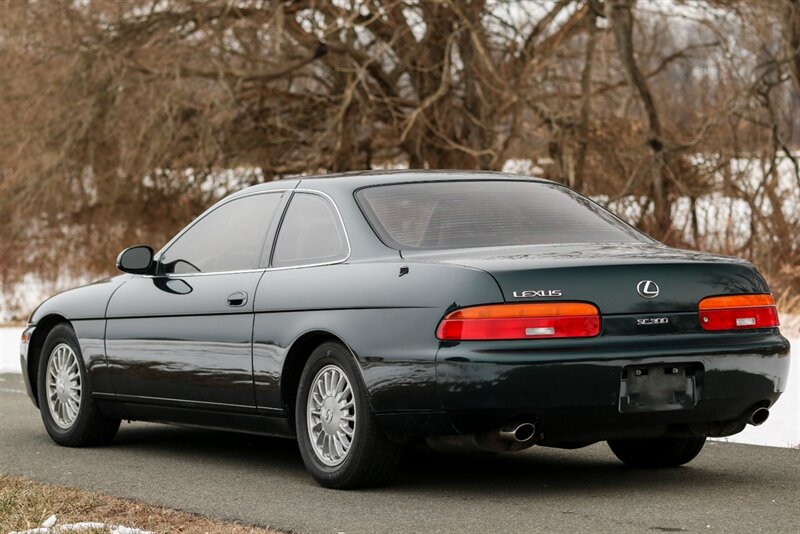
{"points": [[416, 175], [357, 179]]}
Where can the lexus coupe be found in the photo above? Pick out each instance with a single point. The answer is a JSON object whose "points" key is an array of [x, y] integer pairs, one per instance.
{"points": [[360, 312]]}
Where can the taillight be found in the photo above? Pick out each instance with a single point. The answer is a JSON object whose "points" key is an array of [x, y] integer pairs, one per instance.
{"points": [[738, 312], [520, 321]]}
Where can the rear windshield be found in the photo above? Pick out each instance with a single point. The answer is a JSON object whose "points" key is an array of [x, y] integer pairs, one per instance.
{"points": [[445, 215]]}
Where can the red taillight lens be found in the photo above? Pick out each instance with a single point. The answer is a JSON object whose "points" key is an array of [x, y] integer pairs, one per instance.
{"points": [[738, 312], [521, 321]]}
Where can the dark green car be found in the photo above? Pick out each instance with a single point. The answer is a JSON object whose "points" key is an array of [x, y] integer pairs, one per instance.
{"points": [[362, 312]]}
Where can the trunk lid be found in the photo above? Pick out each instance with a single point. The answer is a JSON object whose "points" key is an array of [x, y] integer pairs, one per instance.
{"points": [[613, 276]]}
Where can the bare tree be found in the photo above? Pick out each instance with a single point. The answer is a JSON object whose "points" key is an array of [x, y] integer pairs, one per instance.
{"points": [[120, 120]]}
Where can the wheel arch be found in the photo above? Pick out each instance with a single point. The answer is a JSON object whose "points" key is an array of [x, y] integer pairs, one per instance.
{"points": [[299, 352], [43, 327]]}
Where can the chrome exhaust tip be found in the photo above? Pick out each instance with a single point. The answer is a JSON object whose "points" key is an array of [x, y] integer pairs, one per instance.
{"points": [[758, 417], [514, 436], [518, 432]]}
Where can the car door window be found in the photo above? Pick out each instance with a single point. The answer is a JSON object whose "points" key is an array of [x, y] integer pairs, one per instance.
{"points": [[229, 238], [311, 233]]}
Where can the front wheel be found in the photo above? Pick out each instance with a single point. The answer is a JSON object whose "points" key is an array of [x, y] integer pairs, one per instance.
{"points": [[657, 452], [340, 441], [70, 415]]}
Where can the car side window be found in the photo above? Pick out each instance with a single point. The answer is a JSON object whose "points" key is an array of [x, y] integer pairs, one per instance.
{"points": [[311, 233], [230, 238]]}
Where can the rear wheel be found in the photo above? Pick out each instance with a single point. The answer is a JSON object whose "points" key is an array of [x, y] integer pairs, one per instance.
{"points": [[70, 415], [657, 452], [340, 441]]}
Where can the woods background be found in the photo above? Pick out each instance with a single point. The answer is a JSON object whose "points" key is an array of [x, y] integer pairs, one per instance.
{"points": [[121, 120]]}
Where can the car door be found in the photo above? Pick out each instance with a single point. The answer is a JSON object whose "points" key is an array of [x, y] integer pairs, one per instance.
{"points": [[183, 335]]}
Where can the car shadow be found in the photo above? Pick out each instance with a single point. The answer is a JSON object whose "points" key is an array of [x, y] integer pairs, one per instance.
{"points": [[222, 445], [537, 470], [423, 470]]}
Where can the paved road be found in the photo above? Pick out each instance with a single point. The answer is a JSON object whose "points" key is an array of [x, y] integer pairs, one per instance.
{"points": [[731, 488]]}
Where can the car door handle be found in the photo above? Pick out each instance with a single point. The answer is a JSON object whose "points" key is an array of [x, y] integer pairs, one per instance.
{"points": [[237, 299]]}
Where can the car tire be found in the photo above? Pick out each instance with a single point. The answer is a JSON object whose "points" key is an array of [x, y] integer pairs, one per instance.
{"points": [[657, 452], [340, 419], [70, 414]]}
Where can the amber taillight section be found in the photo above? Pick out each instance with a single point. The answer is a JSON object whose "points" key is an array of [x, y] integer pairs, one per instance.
{"points": [[738, 312], [521, 321]]}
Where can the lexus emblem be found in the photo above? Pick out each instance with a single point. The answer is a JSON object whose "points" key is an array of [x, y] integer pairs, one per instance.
{"points": [[647, 289]]}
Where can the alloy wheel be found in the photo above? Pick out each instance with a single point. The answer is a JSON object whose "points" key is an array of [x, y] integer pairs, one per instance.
{"points": [[63, 385], [331, 415]]}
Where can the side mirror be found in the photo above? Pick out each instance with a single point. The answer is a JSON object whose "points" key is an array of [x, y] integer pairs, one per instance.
{"points": [[135, 260]]}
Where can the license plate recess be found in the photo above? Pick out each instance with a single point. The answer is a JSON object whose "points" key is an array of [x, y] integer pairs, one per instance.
{"points": [[661, 387]]}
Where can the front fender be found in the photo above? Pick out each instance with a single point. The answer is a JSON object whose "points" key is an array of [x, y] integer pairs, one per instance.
{"points": [[85, 309], [80, 303]]}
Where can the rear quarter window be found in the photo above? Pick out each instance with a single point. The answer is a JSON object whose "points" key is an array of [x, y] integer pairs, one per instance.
{"points": [[467, 214], [310, 233]]}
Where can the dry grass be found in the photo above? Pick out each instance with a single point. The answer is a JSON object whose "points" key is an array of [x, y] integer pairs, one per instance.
{"points": [[25, 504]]}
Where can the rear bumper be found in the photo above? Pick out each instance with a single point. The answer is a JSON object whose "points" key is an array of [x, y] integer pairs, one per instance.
{"points": [[575, 395]]}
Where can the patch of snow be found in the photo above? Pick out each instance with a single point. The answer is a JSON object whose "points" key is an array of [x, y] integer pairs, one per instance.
{"points": [[9, 349], [119, 529], [524, 167], [49, 527]]}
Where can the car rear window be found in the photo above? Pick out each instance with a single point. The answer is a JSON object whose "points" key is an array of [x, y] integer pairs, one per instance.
{"points": [[467, 214]]}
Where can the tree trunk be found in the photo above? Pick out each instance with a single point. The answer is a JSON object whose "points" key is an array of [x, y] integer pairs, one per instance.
{"points": [[620, 14], [791, 23], [586, 102]]}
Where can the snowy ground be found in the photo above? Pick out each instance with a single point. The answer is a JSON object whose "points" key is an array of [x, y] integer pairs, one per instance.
{"points": [[782, 429], [49, 527], [9, 349]]}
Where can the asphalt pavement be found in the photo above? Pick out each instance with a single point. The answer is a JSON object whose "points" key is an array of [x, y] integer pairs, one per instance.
{"points": [[261, 481]]}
